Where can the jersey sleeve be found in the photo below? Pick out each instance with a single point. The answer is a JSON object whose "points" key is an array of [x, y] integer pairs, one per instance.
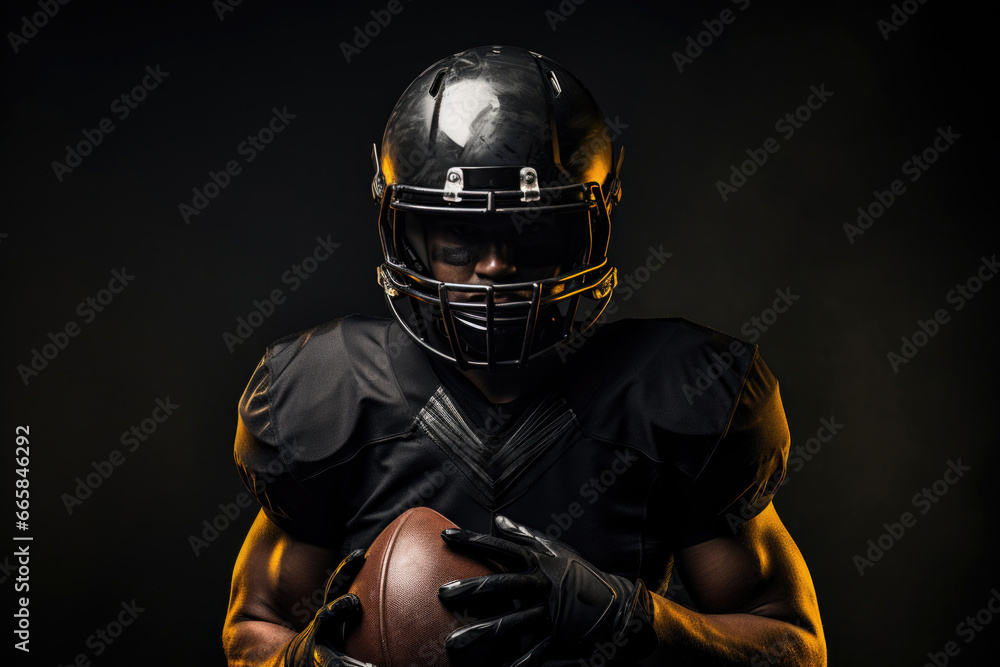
{"points": [[746, 467], [268, 466]]}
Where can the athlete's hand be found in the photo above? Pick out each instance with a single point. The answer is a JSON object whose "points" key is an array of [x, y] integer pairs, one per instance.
{"points": [[321, 643], [571, 608]]}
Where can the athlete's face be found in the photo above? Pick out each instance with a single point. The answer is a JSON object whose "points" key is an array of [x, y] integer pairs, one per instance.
{"points": [[496, 249]]}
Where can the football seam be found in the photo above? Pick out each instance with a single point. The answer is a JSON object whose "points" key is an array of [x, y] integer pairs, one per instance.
{"points": [[383, 583]]}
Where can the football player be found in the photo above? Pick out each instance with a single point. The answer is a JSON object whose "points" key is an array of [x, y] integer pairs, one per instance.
{"points": [[564, 446]]}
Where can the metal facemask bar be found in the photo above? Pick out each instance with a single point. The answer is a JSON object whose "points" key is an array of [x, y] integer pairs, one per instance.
{"points": [[473, 190], [448, 317], [398, 279], [431, 297], [534, 305]]}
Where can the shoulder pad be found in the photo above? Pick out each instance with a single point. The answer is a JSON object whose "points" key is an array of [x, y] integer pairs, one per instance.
{"points": [[657, 384], [314, 399]]}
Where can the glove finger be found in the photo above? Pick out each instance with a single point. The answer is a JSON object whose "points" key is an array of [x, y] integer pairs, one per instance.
{"points": [[341, 579], [476, 642], [324, 657], [494, 587], [344, 610], [347, 661], [531, 538], [521, 534], [509, 556], [535, 656], [334, 621]]}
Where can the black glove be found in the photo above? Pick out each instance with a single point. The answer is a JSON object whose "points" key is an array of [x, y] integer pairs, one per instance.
{"points": [[577, 609], [321, 643]]}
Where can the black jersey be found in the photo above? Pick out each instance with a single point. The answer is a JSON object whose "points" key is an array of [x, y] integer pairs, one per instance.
{"points": [[654, 435]]}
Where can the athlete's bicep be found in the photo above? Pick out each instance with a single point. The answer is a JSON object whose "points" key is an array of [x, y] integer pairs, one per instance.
{"points": [[277, 578], [758, 570]]}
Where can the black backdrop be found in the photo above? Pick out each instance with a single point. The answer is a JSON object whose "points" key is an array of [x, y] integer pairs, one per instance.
{"points": [[222, 75]]}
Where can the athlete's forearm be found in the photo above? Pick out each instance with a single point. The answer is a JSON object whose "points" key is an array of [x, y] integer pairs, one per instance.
{"points": [[731, 639], [256, 643]]}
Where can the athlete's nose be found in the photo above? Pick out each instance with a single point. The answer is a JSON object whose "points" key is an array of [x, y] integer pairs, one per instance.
{"points": [[496, 262]]}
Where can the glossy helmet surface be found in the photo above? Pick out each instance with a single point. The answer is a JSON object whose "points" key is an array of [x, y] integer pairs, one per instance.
{"points": [[495, 131]]}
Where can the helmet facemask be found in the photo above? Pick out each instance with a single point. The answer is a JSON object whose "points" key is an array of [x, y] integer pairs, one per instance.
{"points": [[505, 323]]}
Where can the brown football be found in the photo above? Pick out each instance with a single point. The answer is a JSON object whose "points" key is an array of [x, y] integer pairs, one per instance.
{"points": [[403, 624]]}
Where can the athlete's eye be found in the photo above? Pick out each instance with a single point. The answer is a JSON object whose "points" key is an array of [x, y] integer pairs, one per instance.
{"points": [[539, 231], [537, 228], [453, 255], [459, 229]]}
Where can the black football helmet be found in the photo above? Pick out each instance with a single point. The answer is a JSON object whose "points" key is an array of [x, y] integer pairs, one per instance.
{"points": [[496, 131]]}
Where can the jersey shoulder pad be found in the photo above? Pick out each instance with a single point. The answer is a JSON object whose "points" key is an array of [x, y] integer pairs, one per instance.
{"points": [[700, 401], [663, 376], [310, 390], [309, 405]]}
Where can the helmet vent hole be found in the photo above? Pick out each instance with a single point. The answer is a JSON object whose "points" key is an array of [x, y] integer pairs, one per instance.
{"points": [[436, 83], [556, 88]]}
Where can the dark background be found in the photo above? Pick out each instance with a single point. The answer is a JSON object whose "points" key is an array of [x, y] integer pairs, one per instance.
{"points": [[162, 335]]}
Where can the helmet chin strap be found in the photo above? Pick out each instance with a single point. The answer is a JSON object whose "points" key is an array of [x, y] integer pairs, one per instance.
{"points": [[507, 340]]}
